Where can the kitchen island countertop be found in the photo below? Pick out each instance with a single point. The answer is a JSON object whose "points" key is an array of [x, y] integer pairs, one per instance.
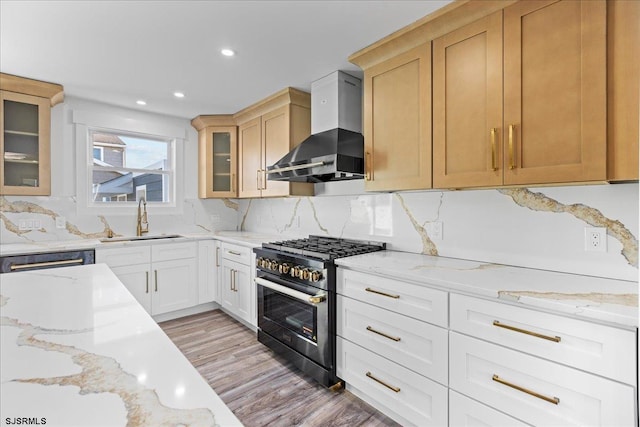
{"points": [[78, 349], [590, 298]]}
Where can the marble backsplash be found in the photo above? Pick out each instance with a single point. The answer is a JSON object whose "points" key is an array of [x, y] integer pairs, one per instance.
{"points": [[530, 227], [540, 228]]}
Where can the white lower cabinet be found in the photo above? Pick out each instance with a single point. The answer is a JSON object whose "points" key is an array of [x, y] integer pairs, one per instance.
{"points": [[163, 277], [465, 412], [537, 391], [426, 356], [208, 270], [403, 395], [236, 289]]}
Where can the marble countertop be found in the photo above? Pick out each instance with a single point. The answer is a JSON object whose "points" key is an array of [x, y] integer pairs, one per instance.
{"points": [[239, 237], [592, 298], [77, 349]]}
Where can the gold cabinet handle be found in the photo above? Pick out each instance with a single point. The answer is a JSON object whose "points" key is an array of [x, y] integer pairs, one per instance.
{"points": [[512, 164], [258, 179], [373, 291], [233, 182], [367, 166], [391, 337], [379, 381], [46, 264], [235, 253], [524, 331], [218, 256], [494, 132], [156, 274], [553, 400], [231, 279], [147, 277]]}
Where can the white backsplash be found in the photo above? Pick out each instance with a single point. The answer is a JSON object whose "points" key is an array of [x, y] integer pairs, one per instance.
{"points": [[536, 227]]}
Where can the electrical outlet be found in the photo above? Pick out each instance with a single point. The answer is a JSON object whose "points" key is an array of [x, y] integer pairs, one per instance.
{"points": [[61, 222], [595, 239], [434, 230]]}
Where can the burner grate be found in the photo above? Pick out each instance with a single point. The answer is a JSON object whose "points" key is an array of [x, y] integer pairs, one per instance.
{"points": [[325, 248]]}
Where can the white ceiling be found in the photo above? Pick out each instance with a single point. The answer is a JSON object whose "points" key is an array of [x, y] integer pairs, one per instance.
{"points": [[120, 51]]}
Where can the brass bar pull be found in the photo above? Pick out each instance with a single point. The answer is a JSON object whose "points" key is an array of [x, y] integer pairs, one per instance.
{"points": [[233, 181], [373, 291], [317, 299], [512, 164], [235, 253], [233, 280], [391, 337], [47, 264], [218, 256], [553, 400], [524, 331], [156, 274], [367, 166], [258, 179], [379, 381], [494, 132], [147, 277]]}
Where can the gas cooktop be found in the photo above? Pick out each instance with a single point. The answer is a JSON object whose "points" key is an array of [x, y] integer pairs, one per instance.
{"points": [[325, 248]]}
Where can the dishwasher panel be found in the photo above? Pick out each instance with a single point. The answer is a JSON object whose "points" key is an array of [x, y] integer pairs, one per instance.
{"points": [[39, 261]]}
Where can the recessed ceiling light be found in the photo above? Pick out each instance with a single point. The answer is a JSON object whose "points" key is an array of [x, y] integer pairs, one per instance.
{"points": [[178, 94], [141, 102], [227, 52]]}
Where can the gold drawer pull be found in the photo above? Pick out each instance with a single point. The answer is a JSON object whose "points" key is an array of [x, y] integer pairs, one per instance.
{"points": [[235, 253], [391, 337], [367, 166], [494, 132], [553, 400], [373, 291], [524, 331], [390, 387], [147, 277]]}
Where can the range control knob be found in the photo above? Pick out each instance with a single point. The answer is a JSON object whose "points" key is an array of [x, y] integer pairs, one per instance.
{"points": [[259, 261], [284, 268], [296, 271], [315, 275], [306, 274], [274, 265]]}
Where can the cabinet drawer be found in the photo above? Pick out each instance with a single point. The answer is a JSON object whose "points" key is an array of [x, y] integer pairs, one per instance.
{"points": [[118, 257], [416, 345], [236, 253], [603, 350], [171, 251], [412, 300], [465, 412], [490, 374], [415, 400]]}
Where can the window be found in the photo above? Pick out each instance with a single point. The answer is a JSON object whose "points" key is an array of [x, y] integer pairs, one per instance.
{"points": [[124, 163]]}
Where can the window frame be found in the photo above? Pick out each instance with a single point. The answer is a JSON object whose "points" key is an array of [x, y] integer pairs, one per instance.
{"points": [[88, 122]]}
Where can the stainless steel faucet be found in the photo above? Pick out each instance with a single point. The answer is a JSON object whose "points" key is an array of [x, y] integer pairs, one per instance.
{"points": [[142, 218]]}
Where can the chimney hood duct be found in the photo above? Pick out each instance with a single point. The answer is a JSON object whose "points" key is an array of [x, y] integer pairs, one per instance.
{"points": [[335, 149]]}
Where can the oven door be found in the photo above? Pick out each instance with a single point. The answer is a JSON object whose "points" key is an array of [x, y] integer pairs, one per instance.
{"points": [[296, 315]]}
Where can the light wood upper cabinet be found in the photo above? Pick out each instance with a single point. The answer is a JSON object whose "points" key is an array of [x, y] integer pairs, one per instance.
{"points": [[467, 105], [623, 89], [553, 125], [25, 130], [555, 92], [217, 156], [397, 122], [266, 132]]}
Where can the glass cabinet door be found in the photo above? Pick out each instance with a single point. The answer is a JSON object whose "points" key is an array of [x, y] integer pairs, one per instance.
{"points": [[219, 163], [24, 145]]}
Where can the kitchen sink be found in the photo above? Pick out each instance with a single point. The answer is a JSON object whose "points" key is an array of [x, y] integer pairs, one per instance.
{"points": [[139, 238]]}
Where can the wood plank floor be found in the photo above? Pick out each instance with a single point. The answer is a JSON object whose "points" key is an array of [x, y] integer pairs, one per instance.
{"points": [[260, 387]]}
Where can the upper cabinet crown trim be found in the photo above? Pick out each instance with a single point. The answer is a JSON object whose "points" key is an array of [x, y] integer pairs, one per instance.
{"points": [[287, 96], [52, 91], [204, 121], [436, 24]]}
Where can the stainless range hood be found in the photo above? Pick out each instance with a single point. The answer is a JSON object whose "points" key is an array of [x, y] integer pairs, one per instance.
{"points": [[335, 150]]}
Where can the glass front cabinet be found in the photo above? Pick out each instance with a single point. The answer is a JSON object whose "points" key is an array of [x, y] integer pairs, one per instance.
{"points": [[217, 156], [25, 125]]}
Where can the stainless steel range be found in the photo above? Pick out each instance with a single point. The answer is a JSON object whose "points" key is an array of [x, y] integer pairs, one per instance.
{"points": [[296, 284]]}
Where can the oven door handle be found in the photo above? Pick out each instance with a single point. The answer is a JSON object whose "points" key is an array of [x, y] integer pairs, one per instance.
{"points": [[309, 299]]}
